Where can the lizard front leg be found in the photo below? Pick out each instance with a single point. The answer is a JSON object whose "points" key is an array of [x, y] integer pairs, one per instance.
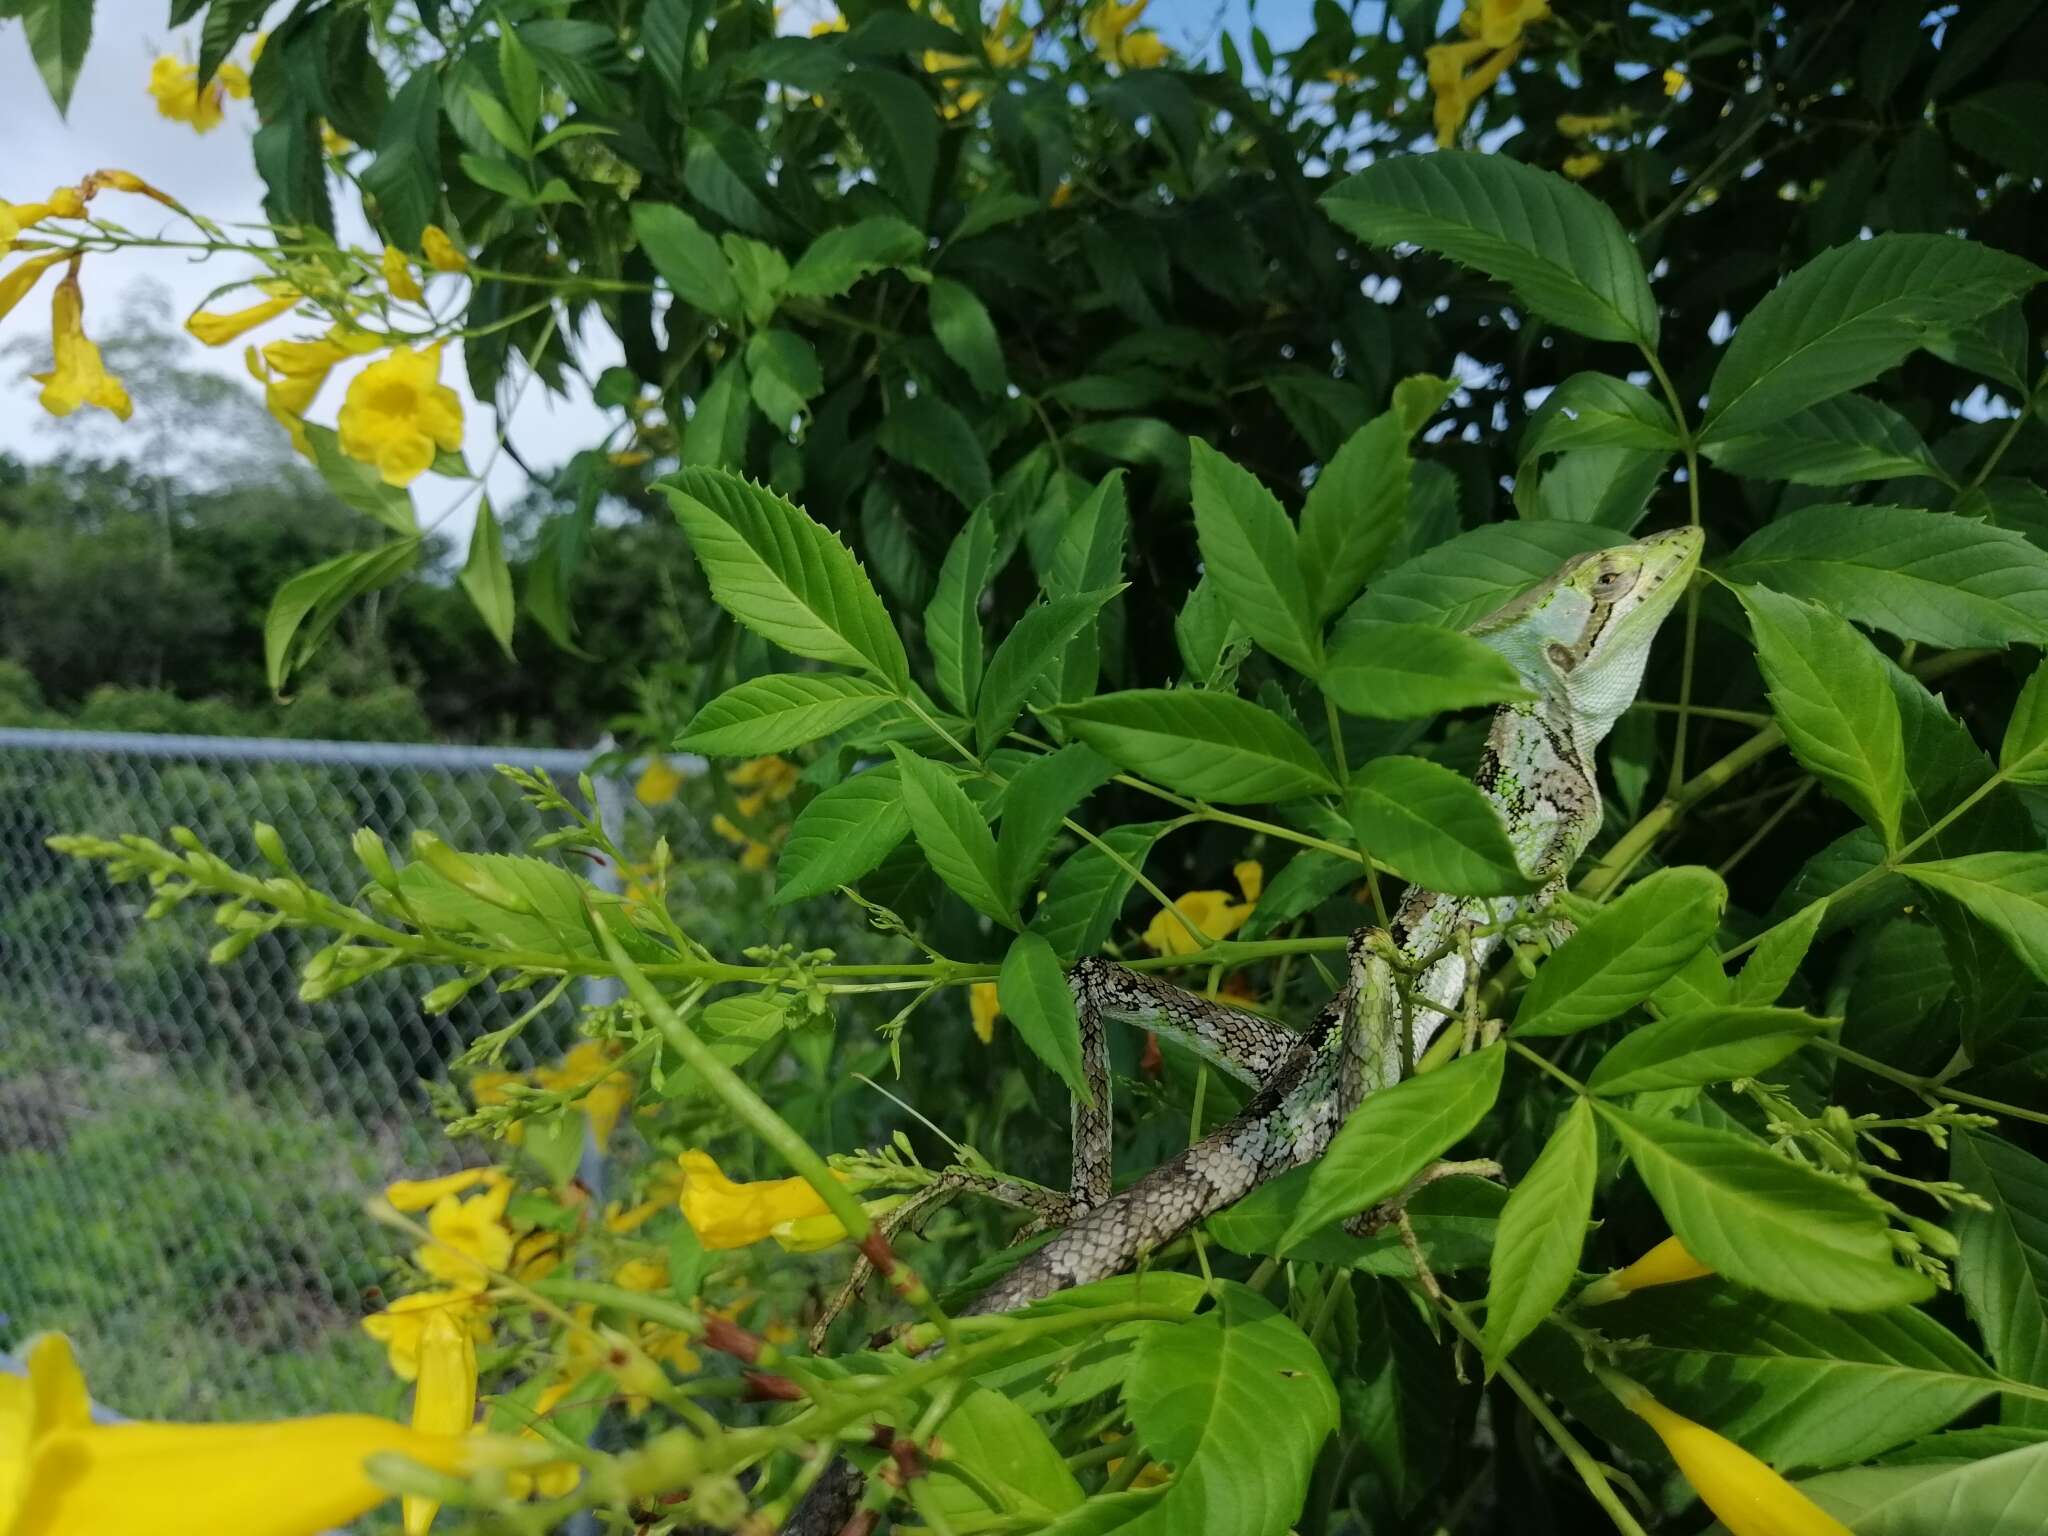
{"points": [[1246, 1046]]}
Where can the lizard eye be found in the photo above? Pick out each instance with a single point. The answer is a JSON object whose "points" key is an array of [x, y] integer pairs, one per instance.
{"points": [[1612, 582]]}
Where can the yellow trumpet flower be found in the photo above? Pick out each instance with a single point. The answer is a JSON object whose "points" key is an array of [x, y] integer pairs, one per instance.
{"points": [[175, 85], [725, 1214], [63, 1475], [1749, 1497], [1213, 912], [443, 1398], [77, 377], [398, 412]]}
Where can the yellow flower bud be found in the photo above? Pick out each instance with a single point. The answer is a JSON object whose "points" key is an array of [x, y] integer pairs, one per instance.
{"points": [[15, 285], [1669, 1263], [442, 254], [1749, 1497], [1579, 167], [217, 329], [1674, 81], [1575, 125], [398, 276], [983, 1005]]}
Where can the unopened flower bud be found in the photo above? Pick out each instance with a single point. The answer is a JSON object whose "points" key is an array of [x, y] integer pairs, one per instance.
{"points": [[271, 846], [1666, 1264], [374, 857]]}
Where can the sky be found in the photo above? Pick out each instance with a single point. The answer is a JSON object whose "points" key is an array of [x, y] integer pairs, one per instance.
{"points": [[113, 122]]}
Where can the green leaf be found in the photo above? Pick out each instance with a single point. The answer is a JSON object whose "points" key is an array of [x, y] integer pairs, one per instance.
{"points": [[1089, 555], [1209, 745], [1407, 671], [1542, 1232], [1466, 578], [968, 336], [1209, 641], [1088, 890], [2023, 754], [358, 485], [715, 436], [1829, 692], [486, 577], [2003, 1268], [1837, 442], [1356, 512], [839, 258], [759, 272], [1928, 576], [998, 1463], [1039, 797], [932, 437], [1559, 247], [1261, 1384], [405, 178], [1776, 960], [1610, 487], [952, 620], [1036, 998], [2001, 1496], [1626, 951], [1764, 1221], [1393, 1135], [1794, 1385], [780, 710], [59, 32], [1248, 550], [499, 122], [1031, 650], [688, 258], [783, 576], [1847, 316], [1597, 410], [2007, 125], [1434, 827], [842, 834], [898, 126], [2009, 891], [1712, 1045], [784, 375], [307, 606], [955, 839]]}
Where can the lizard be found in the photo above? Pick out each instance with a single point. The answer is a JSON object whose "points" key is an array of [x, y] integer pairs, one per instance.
{"points": [[1579, 642]]}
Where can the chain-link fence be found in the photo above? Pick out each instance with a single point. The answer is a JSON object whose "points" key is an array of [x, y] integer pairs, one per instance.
{"points": [[185, 1149]]}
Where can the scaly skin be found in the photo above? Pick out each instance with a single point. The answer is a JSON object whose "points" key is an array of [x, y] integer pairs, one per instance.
{"points": [[1580, 642]]}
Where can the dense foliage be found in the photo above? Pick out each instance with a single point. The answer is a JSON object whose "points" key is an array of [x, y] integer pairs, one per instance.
{"points": [[1181, 413]]}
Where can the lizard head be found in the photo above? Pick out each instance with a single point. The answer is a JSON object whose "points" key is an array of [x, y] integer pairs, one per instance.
{"points": [[1582, 638]]}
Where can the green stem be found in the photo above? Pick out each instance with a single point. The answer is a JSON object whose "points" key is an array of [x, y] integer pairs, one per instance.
{"points": [[747, 1106], [1591, 1473], [1928, 1086], [2012, 430]]}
